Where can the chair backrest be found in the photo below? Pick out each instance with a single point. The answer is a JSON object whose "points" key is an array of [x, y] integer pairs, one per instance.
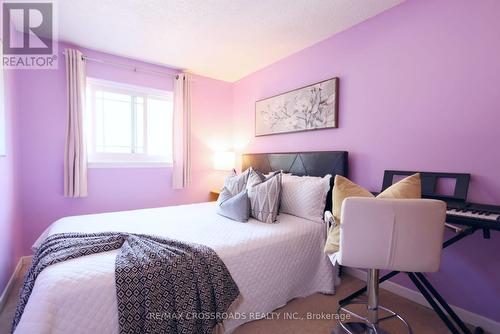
{"points": [[392, 234]]}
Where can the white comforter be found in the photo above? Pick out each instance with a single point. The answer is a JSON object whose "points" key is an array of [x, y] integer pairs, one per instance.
{"points": [[270, 263]]}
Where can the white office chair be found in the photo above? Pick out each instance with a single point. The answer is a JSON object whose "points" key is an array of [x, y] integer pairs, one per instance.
{"points": [[392, 234]]}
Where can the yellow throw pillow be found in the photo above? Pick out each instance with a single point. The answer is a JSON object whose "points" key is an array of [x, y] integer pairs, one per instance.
{"points": [[408, 187]]}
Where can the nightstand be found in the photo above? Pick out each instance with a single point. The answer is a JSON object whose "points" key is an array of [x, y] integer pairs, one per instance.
{"points": [[214, 194]]}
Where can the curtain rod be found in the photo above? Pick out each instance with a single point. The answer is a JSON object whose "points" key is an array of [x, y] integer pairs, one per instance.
{"points": [[127, 66]]}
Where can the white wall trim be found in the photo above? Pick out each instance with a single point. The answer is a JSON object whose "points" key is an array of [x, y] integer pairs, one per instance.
{"points": [[469, 317], [10, 284]]}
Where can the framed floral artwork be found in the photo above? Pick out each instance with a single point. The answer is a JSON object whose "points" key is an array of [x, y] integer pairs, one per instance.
{"points": [[308, 108]]}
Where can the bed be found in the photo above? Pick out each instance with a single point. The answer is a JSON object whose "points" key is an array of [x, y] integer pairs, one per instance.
{"points": [[271, 263]]}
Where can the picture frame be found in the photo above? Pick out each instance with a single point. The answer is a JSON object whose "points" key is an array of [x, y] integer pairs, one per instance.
{"points": [[307, 108]]}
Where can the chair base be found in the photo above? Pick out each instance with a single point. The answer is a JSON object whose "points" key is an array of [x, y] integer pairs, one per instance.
{"points": [[364, 327], [357, 328]]}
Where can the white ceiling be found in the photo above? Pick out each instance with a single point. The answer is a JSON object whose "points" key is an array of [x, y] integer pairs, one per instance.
{"points": [[223, 39]]}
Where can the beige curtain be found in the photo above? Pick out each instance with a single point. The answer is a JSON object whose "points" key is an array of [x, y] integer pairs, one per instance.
{"points": [[75, 157], [181, 174]]}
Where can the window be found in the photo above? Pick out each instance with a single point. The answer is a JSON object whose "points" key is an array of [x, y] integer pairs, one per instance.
{"points": [[128, 125]]}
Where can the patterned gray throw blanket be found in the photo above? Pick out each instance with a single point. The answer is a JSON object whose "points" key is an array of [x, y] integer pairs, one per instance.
{"points": [[162, 285]]}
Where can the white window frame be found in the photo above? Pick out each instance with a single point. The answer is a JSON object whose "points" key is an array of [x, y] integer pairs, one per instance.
{"points": [[119, 160]]}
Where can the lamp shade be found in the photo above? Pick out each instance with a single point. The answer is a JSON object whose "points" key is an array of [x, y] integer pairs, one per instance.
{"points": [[224, 160]]}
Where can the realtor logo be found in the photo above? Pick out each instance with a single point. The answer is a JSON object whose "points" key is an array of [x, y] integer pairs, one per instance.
{"points": [[28, 34]]}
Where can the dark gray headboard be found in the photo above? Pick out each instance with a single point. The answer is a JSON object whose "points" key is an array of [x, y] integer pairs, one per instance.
{"points": [[301, 163]]}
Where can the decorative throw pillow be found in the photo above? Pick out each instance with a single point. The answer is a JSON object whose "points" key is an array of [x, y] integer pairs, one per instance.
{"points": [[265, 199], [271, 174], [304, 196], [235, 207], [254, 177], [409, 187], [406, 188], [236, 183]]}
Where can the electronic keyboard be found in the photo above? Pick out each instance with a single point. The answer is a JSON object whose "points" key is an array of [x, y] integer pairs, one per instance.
{"points": [[459, 211], [476, 215]]}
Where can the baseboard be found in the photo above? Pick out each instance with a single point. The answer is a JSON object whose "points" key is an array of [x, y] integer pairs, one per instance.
{"points": [[10, 284], [474, 319]]}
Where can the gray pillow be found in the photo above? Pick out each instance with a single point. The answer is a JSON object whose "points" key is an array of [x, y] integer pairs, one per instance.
{"points": [[236, 183], [254, 177], [235, 207], [265, 199]]}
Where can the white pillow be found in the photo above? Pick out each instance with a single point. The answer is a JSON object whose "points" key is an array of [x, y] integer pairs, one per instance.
{"points": [[304, 196]]}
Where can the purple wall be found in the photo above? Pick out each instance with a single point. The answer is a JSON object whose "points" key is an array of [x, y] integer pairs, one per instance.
{"points": [[41, 117], [418, 91], [9, 214]]}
